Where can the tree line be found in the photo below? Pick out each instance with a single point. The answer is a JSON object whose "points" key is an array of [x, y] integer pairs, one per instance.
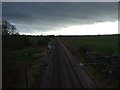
{"points": [[11, 40]]}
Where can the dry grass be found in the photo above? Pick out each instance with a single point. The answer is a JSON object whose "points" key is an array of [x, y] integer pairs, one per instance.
{"points": [[14, 75]]}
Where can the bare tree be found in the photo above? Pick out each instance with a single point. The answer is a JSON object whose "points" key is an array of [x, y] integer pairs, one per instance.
{"points": [[8, 28]]}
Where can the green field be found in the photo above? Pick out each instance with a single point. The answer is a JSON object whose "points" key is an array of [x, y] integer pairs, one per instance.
{"points": [[35, 39], [101, 44]]}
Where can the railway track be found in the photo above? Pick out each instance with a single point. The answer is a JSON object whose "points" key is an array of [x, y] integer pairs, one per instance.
{"points": [[63, 71]]}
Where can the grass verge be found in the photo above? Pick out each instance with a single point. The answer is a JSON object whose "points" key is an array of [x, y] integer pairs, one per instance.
{"points": [[14, 74], [99, 78]]}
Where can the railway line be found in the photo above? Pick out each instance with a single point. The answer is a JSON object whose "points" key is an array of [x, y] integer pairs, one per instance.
{"points": [[63, 70]]}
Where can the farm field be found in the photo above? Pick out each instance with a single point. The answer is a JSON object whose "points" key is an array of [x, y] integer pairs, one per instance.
{"points": [[35, 39], [100, 44], [104, 45], [14, 60]]}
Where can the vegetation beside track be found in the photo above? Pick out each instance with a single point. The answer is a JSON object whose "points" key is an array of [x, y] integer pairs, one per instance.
{"points": [[17, 59], [101, 44]]}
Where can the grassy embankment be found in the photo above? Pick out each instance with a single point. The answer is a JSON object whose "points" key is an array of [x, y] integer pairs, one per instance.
{"points": [[100, 44], [14, 74]]}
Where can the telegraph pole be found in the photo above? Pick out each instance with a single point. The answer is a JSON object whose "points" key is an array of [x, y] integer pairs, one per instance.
{"points": [[118, 62], [118, 46], [26, 71]]}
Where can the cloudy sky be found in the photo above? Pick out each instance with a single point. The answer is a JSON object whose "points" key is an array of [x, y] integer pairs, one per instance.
{"points": [[66, 18]]}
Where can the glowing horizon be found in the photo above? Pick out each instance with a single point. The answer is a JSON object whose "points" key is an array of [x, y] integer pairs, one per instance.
{"points": [[91, 29]]}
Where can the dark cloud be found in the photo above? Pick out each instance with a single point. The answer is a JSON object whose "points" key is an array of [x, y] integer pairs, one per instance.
{"points": [[50, 16]]}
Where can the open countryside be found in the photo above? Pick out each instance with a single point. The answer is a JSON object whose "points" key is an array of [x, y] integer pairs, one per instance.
{"points": [[60, 45], [36, 55]]}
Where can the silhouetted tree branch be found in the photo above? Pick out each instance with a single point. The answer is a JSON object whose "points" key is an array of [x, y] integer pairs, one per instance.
{"points": [[8, 28]]}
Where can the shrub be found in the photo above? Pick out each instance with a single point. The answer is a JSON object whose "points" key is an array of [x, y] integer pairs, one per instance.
{"points": [[42, 42], [83, 49]]}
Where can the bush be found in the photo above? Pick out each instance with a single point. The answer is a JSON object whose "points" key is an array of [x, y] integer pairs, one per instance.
{"points": [[26, 42], [42, 42], [83, 49], [15, 42]]}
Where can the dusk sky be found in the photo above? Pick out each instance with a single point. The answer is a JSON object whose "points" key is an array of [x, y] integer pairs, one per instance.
{"points": [[65, 18]]}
